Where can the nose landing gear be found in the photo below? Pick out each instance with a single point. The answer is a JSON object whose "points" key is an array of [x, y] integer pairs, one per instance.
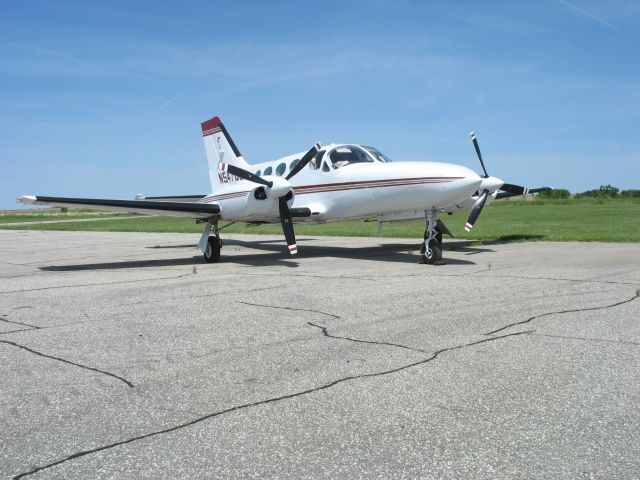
{"points": [[431, 248]]}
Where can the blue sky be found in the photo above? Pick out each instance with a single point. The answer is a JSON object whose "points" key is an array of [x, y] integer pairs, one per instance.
{"points": [[105, 99]]}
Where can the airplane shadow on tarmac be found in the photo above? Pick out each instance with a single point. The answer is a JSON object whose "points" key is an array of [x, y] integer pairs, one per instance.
{"points": [[277, 255]]}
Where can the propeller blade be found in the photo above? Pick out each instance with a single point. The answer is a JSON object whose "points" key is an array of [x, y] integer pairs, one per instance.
{"points": [[443, 228], [244, 174], [541, 189], [475, 144], [508, 192], [515, 189], [304, 160], [287, 226], [475, 211]]}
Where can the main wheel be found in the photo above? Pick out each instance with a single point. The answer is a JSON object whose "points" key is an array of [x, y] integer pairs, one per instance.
{"points": [[212, 250], [433, 253]]}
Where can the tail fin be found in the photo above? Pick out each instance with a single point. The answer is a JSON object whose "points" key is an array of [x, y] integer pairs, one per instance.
{"points": [[220, 148]]}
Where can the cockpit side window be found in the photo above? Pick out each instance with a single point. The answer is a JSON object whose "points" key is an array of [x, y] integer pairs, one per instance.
{"points": [[347, 155]]}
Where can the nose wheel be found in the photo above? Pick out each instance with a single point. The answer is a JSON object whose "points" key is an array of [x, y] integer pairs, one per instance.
{"points": [[432, 253]]}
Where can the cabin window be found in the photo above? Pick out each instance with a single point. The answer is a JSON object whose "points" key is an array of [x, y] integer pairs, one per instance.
{"points": [[293, 164], [267, 171], [258, 173], [280, 169], [347, 155]]}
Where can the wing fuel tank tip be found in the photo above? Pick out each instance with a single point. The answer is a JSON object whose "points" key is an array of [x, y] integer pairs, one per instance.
{"points": [[26, 200]]}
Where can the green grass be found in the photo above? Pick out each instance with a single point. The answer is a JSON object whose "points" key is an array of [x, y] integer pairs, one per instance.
{"points": [[611, 220], [32, 216]]}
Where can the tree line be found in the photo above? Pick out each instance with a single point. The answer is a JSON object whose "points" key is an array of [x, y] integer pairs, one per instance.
{"points": [[605, 191]]}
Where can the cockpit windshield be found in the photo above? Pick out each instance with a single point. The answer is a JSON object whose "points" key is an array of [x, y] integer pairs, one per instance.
{"points": [[377, 154], [347, 155]]}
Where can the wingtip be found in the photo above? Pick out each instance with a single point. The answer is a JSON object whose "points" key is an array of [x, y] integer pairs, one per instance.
{"points": [[26, 200], [293, 249], [468, 227]]}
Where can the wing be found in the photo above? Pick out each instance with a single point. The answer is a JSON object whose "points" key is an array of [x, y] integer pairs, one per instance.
{"points": [[176, 209], [173, 198]]}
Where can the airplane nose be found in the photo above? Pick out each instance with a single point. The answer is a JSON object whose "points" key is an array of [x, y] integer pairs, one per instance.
{"points": [[469, 181]]}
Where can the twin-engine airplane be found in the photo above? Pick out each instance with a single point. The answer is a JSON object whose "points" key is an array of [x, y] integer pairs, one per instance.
{"points": [[328, 183]]}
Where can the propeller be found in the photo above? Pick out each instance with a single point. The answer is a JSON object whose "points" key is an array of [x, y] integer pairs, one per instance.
{"points": [[244, 174], [475, 145], [283, 207], [306, 158], [482, 199], [509, 191], [475, 211]]}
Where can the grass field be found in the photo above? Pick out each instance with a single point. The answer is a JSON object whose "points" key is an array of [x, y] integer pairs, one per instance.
{"points": [[37, 216], [611, 220]]}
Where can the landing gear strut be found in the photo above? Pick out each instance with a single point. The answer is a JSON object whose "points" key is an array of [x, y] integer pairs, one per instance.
{"points": [[431, 248]]}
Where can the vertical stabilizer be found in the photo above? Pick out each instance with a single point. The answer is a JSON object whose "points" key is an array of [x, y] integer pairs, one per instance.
{"points": [[220, 147]]}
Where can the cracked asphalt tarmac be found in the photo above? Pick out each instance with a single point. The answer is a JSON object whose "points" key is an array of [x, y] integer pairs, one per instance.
{"points": [[123, 355]]}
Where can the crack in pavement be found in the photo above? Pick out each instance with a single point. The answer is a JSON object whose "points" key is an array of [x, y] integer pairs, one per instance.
{"points": [[308, 275], [326, 333], [35, 352], [267, 401], [290, 308], [576, 280], [522, 277], [33, 327], [530, 319], [72, 324], [16, 331], [603, 340], [99, 284]]}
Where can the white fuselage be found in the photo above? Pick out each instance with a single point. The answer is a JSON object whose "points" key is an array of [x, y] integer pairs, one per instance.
{"points": [[374, 189]]}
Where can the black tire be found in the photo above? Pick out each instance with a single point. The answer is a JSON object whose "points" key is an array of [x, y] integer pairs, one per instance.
{"points": [[433, 253], [212, 250]]}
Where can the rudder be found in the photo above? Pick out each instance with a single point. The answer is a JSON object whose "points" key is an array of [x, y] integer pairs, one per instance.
{"points": [[220, 147]]}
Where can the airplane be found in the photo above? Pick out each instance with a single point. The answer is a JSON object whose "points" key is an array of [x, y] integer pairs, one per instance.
{"points": [[327, 183]]}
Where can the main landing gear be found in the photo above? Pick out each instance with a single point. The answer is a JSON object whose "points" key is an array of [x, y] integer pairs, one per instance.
{"points": [[212, 250], [210, 245], [431, 248]]}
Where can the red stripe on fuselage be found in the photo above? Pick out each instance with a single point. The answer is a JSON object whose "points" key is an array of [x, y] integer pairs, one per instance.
{"points": [[335, 187]]}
